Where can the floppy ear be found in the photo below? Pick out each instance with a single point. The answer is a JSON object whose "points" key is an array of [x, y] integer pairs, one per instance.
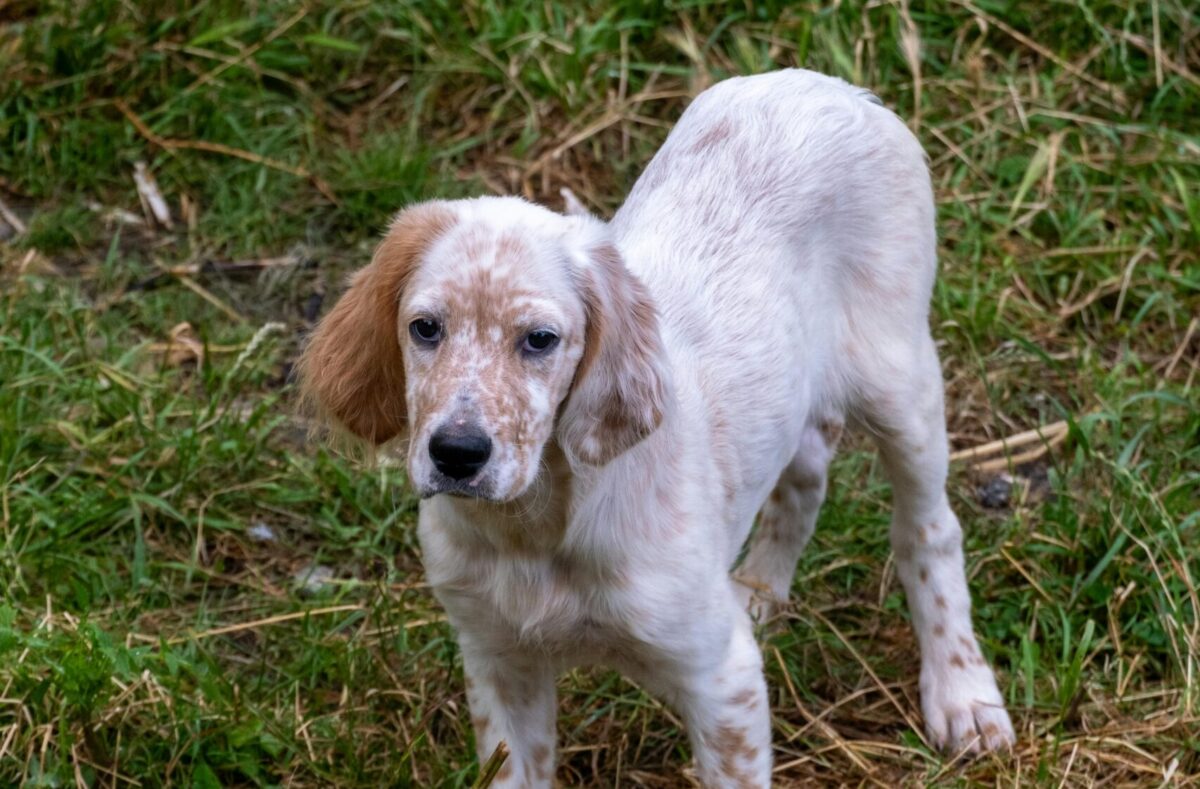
{"points": [[620, 389], [352, 368]]}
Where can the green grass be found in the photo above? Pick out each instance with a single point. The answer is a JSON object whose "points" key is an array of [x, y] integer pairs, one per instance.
{"points": [[148, 635]]}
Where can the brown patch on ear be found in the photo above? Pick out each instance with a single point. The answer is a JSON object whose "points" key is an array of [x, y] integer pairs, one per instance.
{"points": [[352, 368], [618, 395]]}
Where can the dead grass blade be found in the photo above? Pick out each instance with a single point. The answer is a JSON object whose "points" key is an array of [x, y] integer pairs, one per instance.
{"points": [[979, 457], [170, 144], [491, 768], [1117, 94], [254, 625]]}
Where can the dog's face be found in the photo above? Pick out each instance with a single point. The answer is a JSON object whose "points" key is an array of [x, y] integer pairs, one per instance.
{"points": [[492, 329], [482, 330]]}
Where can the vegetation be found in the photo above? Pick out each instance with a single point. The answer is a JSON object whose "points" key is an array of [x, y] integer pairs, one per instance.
{"points": [[194, 594]]}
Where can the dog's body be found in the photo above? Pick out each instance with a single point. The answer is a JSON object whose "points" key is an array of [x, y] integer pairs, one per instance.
{"points": [[778, 258]]}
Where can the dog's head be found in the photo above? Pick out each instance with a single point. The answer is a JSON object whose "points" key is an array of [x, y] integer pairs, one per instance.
{"points": [[483, 329]]}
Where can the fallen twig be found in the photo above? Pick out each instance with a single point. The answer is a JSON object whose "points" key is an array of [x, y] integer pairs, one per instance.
{"points": [[980, 456]]}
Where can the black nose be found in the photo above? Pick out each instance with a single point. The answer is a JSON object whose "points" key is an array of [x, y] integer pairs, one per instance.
{"points": [[459, 453]]}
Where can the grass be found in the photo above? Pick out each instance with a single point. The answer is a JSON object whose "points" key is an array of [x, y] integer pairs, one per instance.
{"points": [[160, 509]]}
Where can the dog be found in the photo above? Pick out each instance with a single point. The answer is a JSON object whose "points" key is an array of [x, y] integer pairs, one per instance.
{"points": [[594, 413]]}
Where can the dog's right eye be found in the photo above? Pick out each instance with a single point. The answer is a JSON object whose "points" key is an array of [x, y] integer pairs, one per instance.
{"points": [[425, 330]]}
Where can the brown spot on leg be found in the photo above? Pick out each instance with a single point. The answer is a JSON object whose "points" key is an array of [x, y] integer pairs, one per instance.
{"points": [[745, 698], [505, 771], [730, 743], [957, 661], [542, 762], [939, 601], [924, 574], [480, 723], [939, 630], [734, 749]]}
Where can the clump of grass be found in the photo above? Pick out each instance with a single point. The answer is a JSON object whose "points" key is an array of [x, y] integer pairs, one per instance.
{"points": [[159, 506], [69, 227]]}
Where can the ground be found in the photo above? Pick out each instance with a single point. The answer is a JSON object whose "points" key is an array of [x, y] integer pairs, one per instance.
{"points": [[194, 593]]}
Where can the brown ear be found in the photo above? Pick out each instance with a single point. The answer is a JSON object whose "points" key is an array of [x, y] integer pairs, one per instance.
{"points": [[352, 368], [620, 389]]}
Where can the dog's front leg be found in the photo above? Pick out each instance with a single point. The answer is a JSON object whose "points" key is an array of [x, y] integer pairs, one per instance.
{"points": [[511, 697], [719, 689]]}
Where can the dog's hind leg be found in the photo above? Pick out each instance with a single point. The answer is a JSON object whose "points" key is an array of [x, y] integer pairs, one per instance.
{"points": [[787, 520], [901, 405]]}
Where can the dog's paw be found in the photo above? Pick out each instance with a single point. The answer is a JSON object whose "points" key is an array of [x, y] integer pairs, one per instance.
{"points": [[964, 712]]}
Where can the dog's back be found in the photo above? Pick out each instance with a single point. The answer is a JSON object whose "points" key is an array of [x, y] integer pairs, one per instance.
{"points": [[785, 229], [791, 155]]}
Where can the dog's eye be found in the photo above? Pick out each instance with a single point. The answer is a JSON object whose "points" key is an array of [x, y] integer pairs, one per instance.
{"points": [[425, 330], [540, 341]]}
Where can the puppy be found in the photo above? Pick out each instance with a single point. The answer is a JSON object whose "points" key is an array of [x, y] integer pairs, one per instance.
{"points": [[594, 413]]}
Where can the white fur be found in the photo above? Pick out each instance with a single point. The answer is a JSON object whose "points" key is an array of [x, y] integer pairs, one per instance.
{"points": [[786, 234]]}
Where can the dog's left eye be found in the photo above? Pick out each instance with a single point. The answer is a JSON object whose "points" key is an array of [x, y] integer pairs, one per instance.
{"points": [[540, 341], [425, 330]]}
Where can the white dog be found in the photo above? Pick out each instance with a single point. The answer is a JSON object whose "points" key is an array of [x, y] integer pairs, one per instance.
{"points": [[594, 413]]}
